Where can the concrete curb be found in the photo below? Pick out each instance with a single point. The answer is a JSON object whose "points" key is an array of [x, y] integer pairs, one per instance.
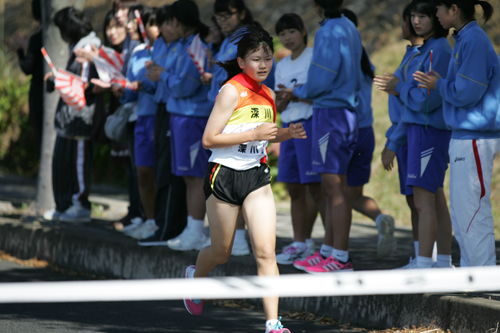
{"points": [[94, 249]]}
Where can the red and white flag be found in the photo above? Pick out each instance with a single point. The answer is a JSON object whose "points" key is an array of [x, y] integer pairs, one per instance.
{"points": [[109, 66], [71, 88], [140, 24], [68, 85], [198, 53]]}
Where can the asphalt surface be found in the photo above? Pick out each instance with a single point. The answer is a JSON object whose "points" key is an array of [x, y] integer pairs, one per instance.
{"points": [[129, 317]]}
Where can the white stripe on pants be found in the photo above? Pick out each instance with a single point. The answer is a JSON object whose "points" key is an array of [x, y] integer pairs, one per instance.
{"points": [[80, 162], [471, 168]]}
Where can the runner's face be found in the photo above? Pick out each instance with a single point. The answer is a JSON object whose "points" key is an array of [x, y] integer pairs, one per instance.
{"points": [[115, 33], [257, 64]]}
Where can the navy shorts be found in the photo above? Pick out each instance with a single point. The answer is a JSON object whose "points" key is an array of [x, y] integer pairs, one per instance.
{"points": [[144, 143], [358, 173], [402, 157], [233, 186], [335, 134], [294, 164], [427, 156], [189, 158]]}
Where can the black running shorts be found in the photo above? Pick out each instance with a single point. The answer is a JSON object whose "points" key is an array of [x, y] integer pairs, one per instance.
{"points": [[233, 186]]}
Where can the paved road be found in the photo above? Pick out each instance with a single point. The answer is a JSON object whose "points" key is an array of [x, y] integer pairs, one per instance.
{"points": [[126, 316]]}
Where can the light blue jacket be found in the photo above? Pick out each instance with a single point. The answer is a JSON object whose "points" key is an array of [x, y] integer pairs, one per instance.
{"points": [[420, 107], [396, 105], [334, 77], [146, 105], [188, 96], [364, 108], [471, 90]]}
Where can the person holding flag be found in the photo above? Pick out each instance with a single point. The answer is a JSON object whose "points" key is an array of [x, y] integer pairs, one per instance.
{"points": [[72, 159], [428, 138]]}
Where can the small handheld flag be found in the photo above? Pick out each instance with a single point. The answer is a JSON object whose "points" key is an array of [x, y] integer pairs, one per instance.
{"points": [[49, 61], [198, 53], [142, 29]]}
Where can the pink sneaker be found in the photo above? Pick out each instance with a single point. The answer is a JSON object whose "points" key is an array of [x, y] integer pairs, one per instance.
{"points": [[309, 261], [278, 328], [194, 306], [330, 265]]}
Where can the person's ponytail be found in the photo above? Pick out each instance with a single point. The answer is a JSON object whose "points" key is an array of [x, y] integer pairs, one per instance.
{"points": [[487, 9]]}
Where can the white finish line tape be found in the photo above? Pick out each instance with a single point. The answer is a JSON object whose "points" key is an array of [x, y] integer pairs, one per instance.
{"points": [[297, 285]]}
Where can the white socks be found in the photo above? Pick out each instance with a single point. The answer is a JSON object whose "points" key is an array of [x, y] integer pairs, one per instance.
{"points": [[325, 250], [424, 262], [300, 245], [340, 255], [443, 260], [195, 226]]}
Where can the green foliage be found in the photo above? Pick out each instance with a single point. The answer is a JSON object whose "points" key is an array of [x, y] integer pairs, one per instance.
{"points": [[18, 151]]}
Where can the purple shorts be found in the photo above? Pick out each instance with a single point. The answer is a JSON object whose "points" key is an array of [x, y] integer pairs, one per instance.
{"points": [[358, 173], [189, 158], [144, 142], [402, 157], [335, 133], [427, 156], [294, 164]]}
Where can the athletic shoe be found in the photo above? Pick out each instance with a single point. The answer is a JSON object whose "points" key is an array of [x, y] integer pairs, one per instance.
{"points": [[411, 265], [187, 241], [386, 242], [309, 261], [52, 215], [194, 306], [291, 255], [145, 230], [154, 240], [240, 248], [310, 247], [75, 213], [134, 224], [330, 265], [277, 328]]}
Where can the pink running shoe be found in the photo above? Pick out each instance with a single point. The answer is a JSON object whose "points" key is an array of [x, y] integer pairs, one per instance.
{"points": [[309, 261], [194, 306], [330, 265], [278, 328]]}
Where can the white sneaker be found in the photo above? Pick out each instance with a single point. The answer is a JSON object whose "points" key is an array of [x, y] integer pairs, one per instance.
{"points": [[291, 254], [134, 224], [310, 247], [386, 243], [240, 248], [75, 213], [52, 215], [187, 241], [145, 230], [434, 265], [411, 265]]}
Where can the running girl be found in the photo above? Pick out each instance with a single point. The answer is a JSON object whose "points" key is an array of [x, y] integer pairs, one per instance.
{"points": [[471, 95], [238, 179]]}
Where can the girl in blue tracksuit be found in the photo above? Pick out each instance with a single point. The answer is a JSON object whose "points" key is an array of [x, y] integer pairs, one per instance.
{"points": [[428, 138], [146, 108], [396, 141], [189, 109], [471, 93], [333, 84]]}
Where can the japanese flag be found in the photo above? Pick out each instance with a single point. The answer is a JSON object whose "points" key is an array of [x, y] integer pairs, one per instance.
{"points": [[198, 53], [71, 88], [109, 65]]}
